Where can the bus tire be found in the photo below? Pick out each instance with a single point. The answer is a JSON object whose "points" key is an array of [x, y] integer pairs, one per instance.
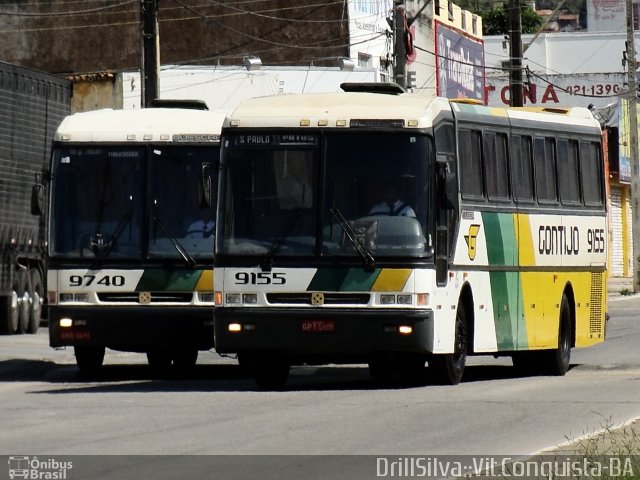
{"points": [[270, 371], [557, 361], [185, 358], [448, 368], [159, 359], [37, 296], [89, 359], [383, 371], [24, 301], [402, 368]]}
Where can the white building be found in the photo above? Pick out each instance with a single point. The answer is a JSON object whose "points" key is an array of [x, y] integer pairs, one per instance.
{"points": [[222, 88]]}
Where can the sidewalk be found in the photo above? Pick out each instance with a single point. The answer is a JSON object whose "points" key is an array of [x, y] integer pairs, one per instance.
{"points": [[619, 286]]}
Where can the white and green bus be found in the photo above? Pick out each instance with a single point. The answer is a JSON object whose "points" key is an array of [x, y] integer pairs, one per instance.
{"points": [[494, 240], [131, 229]]}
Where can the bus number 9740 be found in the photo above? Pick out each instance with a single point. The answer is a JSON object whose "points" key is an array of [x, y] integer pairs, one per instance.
{"points": [[88, 280]]}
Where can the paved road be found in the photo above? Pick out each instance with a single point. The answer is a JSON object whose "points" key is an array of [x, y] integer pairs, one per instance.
{"points": [[46, 408]]}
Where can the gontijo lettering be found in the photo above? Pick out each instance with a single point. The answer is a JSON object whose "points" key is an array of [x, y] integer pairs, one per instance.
{"points": [[558, 240]]}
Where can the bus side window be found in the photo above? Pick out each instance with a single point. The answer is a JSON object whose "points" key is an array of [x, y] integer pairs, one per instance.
{"points": [[470, 145], [568, 173], [495, 164], [591, 174], [545, 170], [522, 169]]}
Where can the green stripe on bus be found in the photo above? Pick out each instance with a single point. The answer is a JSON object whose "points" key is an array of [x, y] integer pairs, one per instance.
{"points": [[343, 279], [511, 331], [165, 280], [501, 238], [506, 294]]}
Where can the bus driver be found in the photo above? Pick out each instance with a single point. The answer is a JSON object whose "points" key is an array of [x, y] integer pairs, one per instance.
{"points": [[392, 205]]}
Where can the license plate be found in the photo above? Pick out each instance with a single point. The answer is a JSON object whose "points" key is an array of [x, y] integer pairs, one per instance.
{"points": [[318, 326]]}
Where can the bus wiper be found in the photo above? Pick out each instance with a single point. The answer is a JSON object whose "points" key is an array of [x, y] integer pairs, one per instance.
{"points": [[100, 247], [189, 260], [276, 245], [369, 263]]}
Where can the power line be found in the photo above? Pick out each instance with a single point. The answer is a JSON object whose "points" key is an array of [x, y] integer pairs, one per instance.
{"points": [[270, 17], [59, 14]]}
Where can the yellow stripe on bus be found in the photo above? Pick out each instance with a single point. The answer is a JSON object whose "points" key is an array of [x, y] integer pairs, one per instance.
{"points": [[391, 280], [527, 256], [205, 283]]}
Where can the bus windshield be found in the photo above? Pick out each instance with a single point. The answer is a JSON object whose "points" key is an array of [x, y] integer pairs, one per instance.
{"points": [[285, 194], [101, 207]]}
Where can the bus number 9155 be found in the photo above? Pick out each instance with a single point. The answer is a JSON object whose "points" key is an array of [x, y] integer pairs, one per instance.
{"points": [[261, 278]]}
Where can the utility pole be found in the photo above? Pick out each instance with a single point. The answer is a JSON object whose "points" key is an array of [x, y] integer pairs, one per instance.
{"points": [[150, 52], [399, 50], [400, 25], [633, 144], [515, 48]]}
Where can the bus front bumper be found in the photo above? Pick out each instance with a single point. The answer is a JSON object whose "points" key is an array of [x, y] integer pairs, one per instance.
{"points": [[134, 329], [323, 331]]}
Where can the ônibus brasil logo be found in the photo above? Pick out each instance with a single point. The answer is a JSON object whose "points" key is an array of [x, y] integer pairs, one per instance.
{"points": [[38, 469]]}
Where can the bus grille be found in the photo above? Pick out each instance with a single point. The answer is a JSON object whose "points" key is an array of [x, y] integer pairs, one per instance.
{"points": [[155, 297], [595, 305], [331, 298]]}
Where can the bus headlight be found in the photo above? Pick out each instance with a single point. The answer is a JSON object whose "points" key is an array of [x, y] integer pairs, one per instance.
{"points": [[74, 297], [65, 322], [233, 298], [249, 298], [82, 297], [66, 297], [205, 297], [405, 299], [387, 299]]}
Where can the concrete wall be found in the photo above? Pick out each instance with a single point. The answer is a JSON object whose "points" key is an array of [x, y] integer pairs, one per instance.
{"points": [[193, 31], [96, 91]]}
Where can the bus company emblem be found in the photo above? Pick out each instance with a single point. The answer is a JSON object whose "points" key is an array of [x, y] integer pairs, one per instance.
{"points": [[317, 298], [471, 240], [144, 298]]}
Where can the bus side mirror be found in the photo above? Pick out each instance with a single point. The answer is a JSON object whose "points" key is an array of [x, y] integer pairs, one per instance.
{"points": [[448, 195], [37, 199], [450, 191], [205, 187], [442, 255], [448, 183]]}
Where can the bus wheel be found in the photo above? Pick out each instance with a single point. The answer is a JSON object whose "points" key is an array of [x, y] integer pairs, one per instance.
{"points": [[159, 359], [35, 307], [524, 362], [270, 371], [405, 368], [89, 358], [382, 370], [449, 367], [185, 358], [558, 360], [24, 301]]}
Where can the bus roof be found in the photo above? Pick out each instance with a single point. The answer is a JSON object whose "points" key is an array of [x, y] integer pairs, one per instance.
{"points": [[575, 116], [143, 125], [333, 110]]}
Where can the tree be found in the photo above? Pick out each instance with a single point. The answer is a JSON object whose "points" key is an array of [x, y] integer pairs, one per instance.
{"points": [[495, 20]]}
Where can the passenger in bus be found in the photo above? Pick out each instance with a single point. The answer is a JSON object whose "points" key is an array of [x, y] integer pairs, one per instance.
{"points": [[391, 204]]}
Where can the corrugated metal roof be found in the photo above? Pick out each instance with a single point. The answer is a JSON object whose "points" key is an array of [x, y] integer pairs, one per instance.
{"points": [[91, 77]]}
